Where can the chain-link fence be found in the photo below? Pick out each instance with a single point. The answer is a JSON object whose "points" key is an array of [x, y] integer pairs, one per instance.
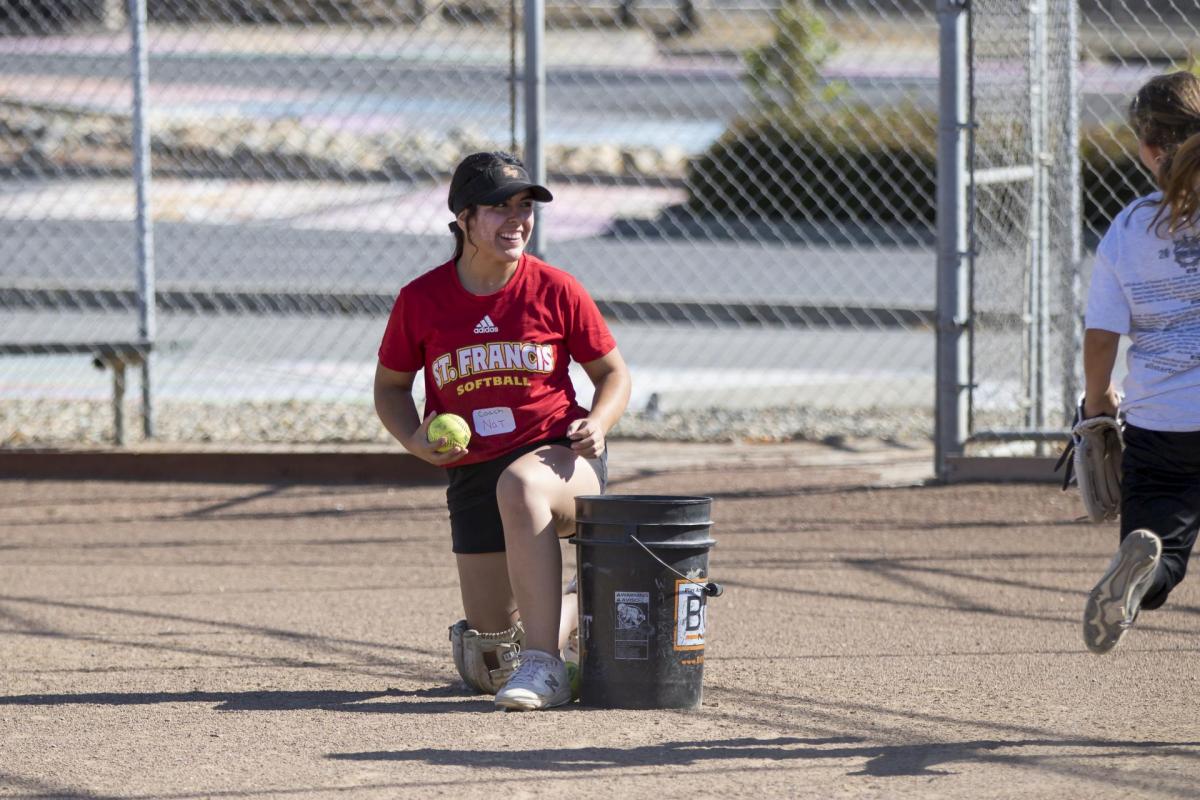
{"points": [[1024, 225], [1051, 161], [742, 185], [746, 186]]}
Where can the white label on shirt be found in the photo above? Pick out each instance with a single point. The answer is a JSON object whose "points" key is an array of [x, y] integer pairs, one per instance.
{"points": [[493, 421]]}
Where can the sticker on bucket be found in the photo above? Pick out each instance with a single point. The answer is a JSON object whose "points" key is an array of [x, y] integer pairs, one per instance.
{"points": [[631, 634], [689, 615]]}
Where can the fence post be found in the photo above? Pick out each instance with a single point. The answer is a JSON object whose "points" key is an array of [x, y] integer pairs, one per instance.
{"points": [[953, 355], [1039, 217], [1072, 377], [535, 104], [147, 318]]}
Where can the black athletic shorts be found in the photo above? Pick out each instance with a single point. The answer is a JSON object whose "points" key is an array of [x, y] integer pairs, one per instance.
{"points": [[475, 525], [1160, 490]]}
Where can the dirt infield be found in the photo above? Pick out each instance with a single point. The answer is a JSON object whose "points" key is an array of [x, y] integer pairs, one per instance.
{"points": [[240, 641]]}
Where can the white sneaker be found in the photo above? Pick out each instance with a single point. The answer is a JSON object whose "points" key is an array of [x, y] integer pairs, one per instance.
{"points": [[1114, 602], [540, 682]]}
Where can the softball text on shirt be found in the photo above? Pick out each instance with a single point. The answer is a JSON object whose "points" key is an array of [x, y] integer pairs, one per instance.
{"points": [[496, 362], [501, 361]]}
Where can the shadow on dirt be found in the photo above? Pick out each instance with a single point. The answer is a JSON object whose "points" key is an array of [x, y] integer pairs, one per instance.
{"points": [[199, 544], [882, 760], [929, 596], [114, 496], [240, 507], [430, 701], [349, 655], [381, 511]]}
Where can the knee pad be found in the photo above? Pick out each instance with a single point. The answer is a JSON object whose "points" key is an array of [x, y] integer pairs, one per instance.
{"points": [[486, 660]]}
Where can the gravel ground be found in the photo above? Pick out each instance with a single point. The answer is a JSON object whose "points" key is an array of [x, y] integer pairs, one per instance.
{"points": [[873, 641]]}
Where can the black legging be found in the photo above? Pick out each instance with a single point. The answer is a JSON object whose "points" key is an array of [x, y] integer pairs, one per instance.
{"points": [[1160, 491]]}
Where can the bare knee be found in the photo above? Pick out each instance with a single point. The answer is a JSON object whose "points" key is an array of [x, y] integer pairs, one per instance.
{"points": [[518, 489], [543, 484]]}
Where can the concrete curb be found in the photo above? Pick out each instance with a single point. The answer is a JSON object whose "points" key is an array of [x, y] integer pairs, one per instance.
{"points": [[860, 462], [1003, 469], [212, 466], [866, 463]]}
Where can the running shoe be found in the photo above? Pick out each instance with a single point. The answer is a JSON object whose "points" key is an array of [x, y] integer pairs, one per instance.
{"points": [[540, 681], [1114, 603]]}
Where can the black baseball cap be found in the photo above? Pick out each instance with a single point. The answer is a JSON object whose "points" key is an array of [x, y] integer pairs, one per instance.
{"points": [[482, 179]]}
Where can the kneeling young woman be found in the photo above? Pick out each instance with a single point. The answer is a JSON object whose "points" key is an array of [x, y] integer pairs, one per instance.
{"points": [[493, 331]]}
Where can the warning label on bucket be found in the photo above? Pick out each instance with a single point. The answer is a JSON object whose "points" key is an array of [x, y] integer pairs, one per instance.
{"points": [[631, 634], [689, 616]]}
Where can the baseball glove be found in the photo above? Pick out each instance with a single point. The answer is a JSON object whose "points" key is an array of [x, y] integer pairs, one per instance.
{"points": [[1093, 460], [485, 661]]}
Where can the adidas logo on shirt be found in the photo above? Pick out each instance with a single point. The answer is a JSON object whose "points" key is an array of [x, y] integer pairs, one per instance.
{"points": [[486, 325]]}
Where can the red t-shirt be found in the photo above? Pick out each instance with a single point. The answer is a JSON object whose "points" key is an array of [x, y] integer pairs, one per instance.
{"points": [[500, 360]]}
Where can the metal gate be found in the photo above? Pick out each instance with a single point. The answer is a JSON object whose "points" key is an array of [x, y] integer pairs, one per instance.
{"points": [[1009, 316]]}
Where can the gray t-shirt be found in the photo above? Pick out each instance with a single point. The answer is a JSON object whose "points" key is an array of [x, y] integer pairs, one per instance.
{"points": [[1148, 288]]}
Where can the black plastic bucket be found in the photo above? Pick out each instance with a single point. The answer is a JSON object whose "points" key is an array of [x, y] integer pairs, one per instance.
{"points": [[643, 592]]}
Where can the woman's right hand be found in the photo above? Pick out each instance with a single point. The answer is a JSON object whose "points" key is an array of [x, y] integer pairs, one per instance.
{"points": [[1104, 405], [419, 445]]}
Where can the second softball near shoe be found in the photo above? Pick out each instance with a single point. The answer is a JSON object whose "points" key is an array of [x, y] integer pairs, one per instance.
{"points": [[1114, 602], [540, 681]]}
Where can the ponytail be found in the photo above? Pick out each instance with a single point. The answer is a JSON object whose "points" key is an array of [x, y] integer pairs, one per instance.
{"points": [[1165, 113], [1180, 184], [460, 238]]}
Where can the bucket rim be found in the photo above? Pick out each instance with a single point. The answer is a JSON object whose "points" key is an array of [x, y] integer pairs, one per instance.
{"points": [[649, 498], [686, 544]]}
